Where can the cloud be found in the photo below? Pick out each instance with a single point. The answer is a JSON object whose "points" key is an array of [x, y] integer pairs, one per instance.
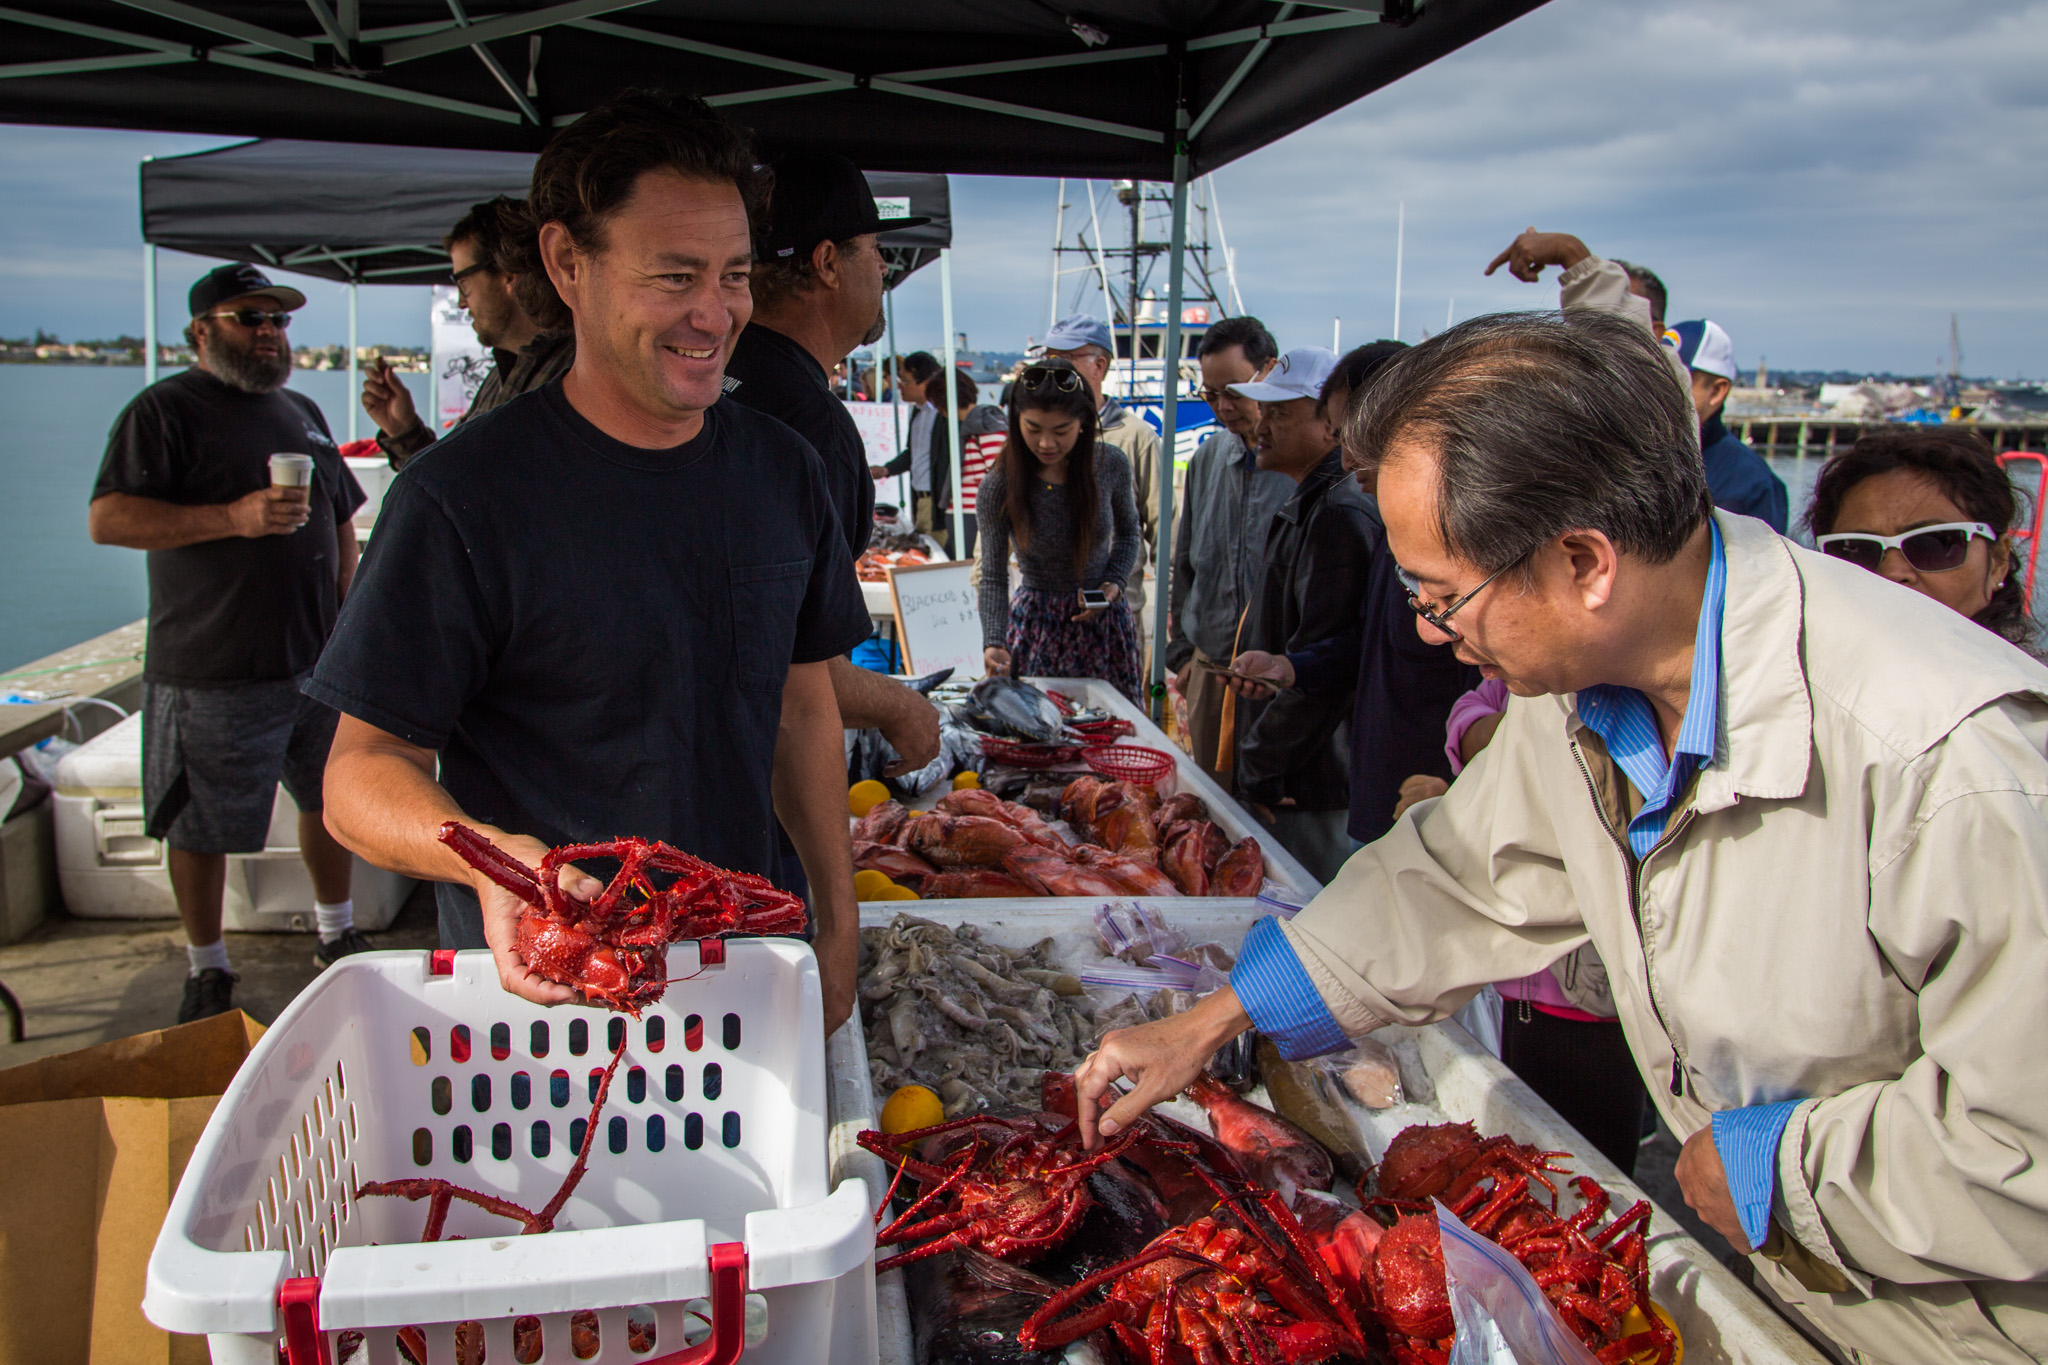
{"points": [[1829, 180]]}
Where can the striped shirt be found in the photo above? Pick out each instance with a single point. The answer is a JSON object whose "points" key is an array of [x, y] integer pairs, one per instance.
{"points": [[1626, 723]]}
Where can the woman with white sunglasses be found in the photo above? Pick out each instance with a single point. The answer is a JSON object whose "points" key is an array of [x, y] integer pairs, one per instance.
{"points": [[1930, 509]]}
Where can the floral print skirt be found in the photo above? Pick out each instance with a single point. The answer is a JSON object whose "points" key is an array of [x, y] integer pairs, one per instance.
{"points": [[1046, 642]]}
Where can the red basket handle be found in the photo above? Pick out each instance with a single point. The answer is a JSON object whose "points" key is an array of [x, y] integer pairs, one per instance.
{"points": [[728, 1312], [298, 1303]]}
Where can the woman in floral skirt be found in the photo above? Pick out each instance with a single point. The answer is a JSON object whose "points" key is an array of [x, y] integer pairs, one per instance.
{"points": [[1064, 500]]}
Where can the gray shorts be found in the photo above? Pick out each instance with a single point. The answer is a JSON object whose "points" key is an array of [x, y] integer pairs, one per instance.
{"points": [[212, 758]]}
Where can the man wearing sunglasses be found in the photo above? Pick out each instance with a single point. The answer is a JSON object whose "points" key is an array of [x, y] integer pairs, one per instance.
{"points": [[245, 579], [1802, 817], [490, 256]]}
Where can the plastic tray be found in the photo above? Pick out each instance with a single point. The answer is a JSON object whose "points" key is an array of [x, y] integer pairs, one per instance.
{"points": [[708, 1178], [1722, 1321]]}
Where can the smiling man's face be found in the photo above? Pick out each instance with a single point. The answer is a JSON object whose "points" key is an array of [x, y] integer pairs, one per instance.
{"points": [[661, 300]]}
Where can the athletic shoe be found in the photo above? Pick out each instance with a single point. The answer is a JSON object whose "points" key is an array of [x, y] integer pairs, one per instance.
{"points": [[328, 951], [207, 994]]}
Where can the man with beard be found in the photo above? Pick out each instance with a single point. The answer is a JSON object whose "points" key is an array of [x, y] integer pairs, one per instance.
{"points": [[245, 580], [491, 254], [817, 284]]}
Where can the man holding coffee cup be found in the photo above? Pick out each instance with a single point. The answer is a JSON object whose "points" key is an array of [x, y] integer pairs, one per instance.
{"points": [[234, 486]]}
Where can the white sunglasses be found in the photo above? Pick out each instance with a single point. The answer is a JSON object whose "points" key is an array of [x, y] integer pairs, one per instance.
{"points": [[1929, 549]]}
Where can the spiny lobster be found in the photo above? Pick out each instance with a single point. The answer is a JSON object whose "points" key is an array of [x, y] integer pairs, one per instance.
{"points": [[441, 1195], [613, 946], [1233, 1287], [1013, 1189]]}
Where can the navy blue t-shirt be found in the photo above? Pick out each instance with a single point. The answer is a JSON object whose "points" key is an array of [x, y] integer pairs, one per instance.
{"points": [[594, 636]]}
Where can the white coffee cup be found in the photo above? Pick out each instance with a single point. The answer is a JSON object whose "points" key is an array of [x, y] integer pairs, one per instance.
{"points": [[294, 472]]}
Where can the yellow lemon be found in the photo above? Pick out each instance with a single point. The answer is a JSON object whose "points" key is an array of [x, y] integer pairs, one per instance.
{"points": [[1633, 1322], [900, 893], [966, 780], [870, 885], [912, 1107], [863, 797]]}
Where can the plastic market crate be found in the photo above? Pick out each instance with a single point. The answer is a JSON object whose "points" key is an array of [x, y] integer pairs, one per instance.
{"points": [[707, 1180]]}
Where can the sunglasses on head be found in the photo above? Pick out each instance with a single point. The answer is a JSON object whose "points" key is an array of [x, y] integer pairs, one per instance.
{"points": [[252, 318], [1046, 377], [1930, 549]]}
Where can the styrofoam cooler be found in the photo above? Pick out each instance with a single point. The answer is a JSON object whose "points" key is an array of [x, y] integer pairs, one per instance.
{"points": [[110, 869], [712, 1149]]}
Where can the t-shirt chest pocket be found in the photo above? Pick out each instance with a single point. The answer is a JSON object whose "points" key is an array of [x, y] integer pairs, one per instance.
{"points": [[765, 602]]}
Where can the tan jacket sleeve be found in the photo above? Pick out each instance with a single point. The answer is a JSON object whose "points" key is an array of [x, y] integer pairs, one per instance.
{"points": [[1464, 890], [1942, 1173], [1600, 286]]}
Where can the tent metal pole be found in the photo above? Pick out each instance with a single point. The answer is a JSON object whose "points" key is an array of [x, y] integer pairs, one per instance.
{"points": [[895, 387], [354, 387], [149, 312], [951, 416], [1169, 390]]}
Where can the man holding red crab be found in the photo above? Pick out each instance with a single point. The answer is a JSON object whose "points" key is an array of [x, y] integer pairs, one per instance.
{"points": [[606, 608]]}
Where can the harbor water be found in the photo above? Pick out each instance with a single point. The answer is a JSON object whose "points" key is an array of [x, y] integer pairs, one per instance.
{"points": [[57, 587]]}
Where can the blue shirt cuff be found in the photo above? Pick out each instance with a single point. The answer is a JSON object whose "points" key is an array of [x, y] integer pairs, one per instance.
{"points": [[1276, 992], [1747, 1141]]}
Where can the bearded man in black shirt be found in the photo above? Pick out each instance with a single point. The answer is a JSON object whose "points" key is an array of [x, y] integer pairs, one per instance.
{"points": [[244, 582], [606, 608]]}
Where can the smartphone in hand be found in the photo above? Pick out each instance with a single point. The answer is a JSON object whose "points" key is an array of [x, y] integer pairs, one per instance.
{"points": [[1094, 599]]}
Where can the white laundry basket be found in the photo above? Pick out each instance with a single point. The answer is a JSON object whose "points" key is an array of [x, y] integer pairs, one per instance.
{"points": [[707, 1178]]}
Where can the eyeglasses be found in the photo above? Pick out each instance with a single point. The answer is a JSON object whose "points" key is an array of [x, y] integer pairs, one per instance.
{"points": [[1441, 619], [252, 318], [459, 276], [1929, 549], [1046, 377], [1210, 396]]}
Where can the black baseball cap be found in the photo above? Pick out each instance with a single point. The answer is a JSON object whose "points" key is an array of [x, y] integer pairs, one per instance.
{"points": [[820, 197], [238, 280]]}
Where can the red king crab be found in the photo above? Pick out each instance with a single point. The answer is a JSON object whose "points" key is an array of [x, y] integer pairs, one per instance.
{"points": [[1597, 1279], [613, 946]]}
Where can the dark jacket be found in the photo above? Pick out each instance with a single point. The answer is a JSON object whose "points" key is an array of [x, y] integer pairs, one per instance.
{"points": [[538, 363], [1405, 690], [1319, 554], [1738, 478], [1219, 546]]}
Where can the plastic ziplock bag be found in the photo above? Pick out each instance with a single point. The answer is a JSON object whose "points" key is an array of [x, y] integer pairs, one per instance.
{"points": [[1367, 1071], [1502, 1317]]}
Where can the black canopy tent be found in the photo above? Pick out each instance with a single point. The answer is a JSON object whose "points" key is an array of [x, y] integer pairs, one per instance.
{"points": [[1013, 87], [376, 215], [1141, 89]]}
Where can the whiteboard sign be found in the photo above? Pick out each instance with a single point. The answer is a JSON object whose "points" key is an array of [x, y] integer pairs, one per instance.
{"points": [[882, 431], [938, 618]]}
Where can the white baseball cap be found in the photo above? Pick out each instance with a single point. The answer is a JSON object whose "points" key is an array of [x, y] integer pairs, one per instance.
{"points": [[1704, 346], [1301, 373]]}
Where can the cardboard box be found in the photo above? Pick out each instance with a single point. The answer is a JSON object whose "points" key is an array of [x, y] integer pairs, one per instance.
{"points": [[92, 1144]]}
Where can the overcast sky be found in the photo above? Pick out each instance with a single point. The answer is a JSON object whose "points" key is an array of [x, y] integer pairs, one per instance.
{"points": [[1829, 180]]}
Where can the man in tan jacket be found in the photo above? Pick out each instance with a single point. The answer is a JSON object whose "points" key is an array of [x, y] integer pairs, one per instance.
{"points": [[1802, 816]]}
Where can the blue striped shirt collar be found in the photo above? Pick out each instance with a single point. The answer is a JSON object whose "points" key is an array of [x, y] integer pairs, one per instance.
{"points": [[1627, 724]]}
